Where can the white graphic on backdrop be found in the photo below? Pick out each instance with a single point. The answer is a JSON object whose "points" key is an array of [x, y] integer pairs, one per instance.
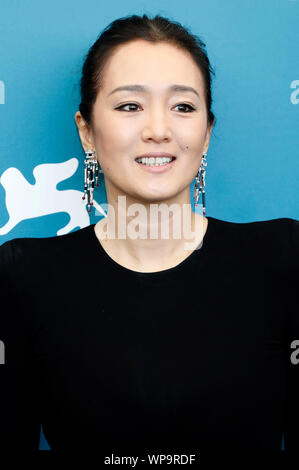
{"points": [[26, 201]]}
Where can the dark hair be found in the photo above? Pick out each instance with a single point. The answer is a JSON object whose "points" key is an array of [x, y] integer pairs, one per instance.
{"points": [[130, 28]]}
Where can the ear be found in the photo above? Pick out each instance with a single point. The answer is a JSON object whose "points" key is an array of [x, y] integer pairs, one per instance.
{"points": [[207, 139], [85, 132]]}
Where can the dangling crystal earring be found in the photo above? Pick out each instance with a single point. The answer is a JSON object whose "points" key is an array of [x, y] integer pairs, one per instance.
{"points": [[91, 170], [200, 177]]}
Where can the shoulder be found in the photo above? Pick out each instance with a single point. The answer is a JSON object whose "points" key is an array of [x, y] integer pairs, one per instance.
{"points": [[273, 241], [259, 229], [15, 252], [6, 261], [256, 231]]}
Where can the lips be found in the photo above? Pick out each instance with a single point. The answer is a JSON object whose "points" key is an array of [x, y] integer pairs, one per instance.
{"points": [[156, 169]]}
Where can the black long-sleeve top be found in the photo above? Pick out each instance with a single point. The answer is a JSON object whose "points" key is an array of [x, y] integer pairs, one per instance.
{"points": [[201, 353]]}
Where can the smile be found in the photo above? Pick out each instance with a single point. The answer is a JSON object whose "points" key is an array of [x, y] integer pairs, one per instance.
{"points": [[155, 165], [154, 161]]}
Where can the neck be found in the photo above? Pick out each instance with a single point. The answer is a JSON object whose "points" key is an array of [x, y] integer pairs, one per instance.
{"points": [[160, 236]]}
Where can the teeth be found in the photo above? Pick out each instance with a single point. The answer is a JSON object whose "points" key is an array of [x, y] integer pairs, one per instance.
{"points": [[151, 161]]}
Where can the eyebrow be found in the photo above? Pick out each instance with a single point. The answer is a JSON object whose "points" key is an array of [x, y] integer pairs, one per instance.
{"points": [[142, 88]]}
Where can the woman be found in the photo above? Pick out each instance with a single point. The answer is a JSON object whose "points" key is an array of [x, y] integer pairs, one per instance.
{"points": [[114, 341]]}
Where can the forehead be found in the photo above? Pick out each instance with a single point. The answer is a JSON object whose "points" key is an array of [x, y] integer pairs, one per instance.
{"points": [[157, 65]]}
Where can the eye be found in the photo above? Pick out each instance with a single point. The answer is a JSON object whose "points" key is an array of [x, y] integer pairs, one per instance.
{"points": [[191, 109], [128, 104]]}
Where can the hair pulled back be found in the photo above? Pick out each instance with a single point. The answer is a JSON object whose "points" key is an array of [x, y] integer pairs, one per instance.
{"points": [[130, 28]]}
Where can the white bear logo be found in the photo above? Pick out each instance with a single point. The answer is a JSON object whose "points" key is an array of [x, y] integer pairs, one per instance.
{"points": [[26, 201]]}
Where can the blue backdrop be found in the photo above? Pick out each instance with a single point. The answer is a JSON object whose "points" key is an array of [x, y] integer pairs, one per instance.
{"points": [[252, 171]]}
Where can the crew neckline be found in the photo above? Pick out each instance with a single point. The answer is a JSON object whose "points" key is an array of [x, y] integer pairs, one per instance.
{"points": [[174, 269]]}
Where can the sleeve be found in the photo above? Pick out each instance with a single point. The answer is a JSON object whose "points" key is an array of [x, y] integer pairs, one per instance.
{"points": [[291, 432], [19, 401]]}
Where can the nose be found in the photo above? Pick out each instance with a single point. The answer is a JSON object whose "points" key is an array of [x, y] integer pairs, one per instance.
{"points": [[156, 126]]}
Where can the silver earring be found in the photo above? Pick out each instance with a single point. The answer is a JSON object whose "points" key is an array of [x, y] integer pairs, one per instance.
{"points": [[200, 183], [91, 172]]}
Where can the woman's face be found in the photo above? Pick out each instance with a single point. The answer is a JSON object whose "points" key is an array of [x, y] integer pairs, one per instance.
{"points": [[128, 123]]}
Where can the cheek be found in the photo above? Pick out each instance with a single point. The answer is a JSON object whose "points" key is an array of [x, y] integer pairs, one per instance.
{"points": [[192, 146], [193, 149], [116, 135]]}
